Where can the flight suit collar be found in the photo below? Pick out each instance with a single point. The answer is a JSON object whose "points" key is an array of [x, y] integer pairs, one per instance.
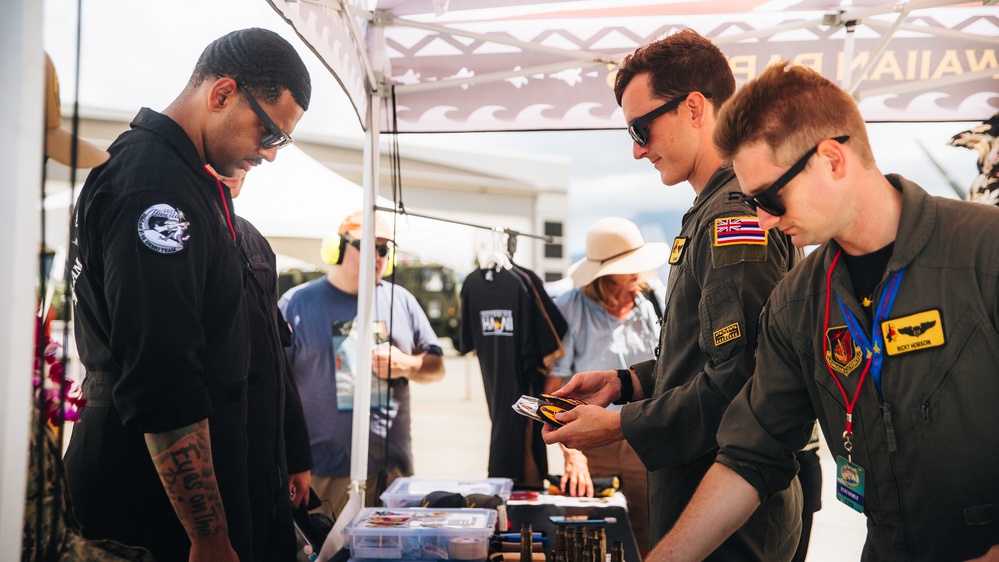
{"points": [[916, 224], [172, 133], [722, 176]]}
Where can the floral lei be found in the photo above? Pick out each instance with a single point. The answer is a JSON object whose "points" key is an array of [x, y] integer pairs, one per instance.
{"points": [[48, 378]]}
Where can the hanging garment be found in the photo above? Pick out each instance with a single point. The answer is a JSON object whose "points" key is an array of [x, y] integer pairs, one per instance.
{"points": [[516, 330]]}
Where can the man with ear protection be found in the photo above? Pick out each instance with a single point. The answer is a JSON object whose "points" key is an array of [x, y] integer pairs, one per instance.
{"points": [[322, 355]]}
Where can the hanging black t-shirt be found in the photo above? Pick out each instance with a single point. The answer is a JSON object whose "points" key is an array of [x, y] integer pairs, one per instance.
{"points": [[505, 323]]}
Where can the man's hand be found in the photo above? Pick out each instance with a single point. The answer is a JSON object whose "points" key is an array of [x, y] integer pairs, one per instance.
{"points": [[586, 427], [425, 367], [298, 486], [599, 388], [215, 551], [401, 363], [576, 481]]}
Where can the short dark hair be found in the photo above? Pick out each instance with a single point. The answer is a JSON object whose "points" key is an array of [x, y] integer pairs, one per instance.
{"points": [[261, 61], [678, 64], [790, 109]]}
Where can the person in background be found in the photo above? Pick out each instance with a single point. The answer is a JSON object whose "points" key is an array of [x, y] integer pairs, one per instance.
{"points": [[723, 267], [279, 457], [322, 314], [612, 324], [888, 333], [158, 458]]}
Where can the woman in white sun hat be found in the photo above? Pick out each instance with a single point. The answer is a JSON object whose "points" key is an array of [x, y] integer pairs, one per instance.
{"points": [[612, 324]]}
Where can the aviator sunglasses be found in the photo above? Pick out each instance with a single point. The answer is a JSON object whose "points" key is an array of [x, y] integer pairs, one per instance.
{"points": [[767, 199], [276, 137], [638, 128], [381, 249]]}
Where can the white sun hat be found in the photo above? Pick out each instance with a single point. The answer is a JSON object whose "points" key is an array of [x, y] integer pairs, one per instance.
{"points": [[614, 246]]}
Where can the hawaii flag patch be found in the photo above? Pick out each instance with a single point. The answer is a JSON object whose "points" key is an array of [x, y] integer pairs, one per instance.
{"points": [[739, 230]]}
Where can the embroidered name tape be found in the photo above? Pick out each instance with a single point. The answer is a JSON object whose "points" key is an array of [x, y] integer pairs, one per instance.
{"points": [[922, 330]]}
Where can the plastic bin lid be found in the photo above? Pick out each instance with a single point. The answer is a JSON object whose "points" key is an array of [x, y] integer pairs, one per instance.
{"points": [[419, 487], [419, 521]]}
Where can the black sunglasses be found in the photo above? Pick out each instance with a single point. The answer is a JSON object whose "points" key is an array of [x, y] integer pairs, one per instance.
{"points": [[638, 127], [277, 138], [381, 249], [767, 199]]}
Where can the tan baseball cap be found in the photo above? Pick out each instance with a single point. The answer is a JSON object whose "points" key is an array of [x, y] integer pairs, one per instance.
{"points": [[58, 141], [352, 226]]}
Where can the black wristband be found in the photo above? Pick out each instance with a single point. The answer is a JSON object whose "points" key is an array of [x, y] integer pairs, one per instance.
{"points": [[627, 389]]}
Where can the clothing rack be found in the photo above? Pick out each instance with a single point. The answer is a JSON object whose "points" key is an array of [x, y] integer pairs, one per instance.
{"points": [[511, 240]]}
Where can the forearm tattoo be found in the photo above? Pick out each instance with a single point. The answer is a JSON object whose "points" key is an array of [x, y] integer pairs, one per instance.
{"points": [[188, 476]]}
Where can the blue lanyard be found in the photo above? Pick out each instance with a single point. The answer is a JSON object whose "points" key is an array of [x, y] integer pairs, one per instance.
{"points": [[874, 344]]}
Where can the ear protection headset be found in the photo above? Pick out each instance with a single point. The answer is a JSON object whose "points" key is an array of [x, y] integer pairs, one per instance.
{"points": [[334, 247]]}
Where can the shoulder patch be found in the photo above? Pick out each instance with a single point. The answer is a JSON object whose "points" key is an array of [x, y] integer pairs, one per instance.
{"points": [[163, 229], [727, 334], [738, 239], [739, 230], [679, 246]]}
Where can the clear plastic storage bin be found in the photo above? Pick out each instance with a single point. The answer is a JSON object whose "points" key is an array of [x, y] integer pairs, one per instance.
{"points": [[380, 533], [407, 492]]}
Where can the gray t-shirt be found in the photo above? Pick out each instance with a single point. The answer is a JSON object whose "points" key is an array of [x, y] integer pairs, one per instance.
{"points": [[320, 317]]}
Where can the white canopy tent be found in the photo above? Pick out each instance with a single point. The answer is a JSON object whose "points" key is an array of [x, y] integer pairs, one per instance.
{"points": [[489, 65], [21, 72], [325, 199], [509, 65]]}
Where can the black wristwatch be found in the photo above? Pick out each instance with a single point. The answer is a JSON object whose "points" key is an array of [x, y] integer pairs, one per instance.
{"points": [[627, 389]]}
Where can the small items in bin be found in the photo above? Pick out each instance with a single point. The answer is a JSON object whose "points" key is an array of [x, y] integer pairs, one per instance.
{"points": [[468, 548], [420, 534], [437, 492]]}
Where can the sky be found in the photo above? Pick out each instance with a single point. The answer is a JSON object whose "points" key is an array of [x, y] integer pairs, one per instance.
{"points": [[136, 54]]}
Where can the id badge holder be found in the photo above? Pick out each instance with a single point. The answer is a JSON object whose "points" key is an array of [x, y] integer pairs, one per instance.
{"points": [[850, 484]]}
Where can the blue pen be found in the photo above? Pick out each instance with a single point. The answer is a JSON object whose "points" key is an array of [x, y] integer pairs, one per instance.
{"points": [[515, 537]]}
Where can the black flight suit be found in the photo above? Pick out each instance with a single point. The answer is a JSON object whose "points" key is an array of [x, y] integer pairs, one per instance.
{"points": [[278, 437], [161, 328]]}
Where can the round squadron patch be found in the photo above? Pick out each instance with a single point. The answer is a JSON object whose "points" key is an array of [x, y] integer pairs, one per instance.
{"points": [[163, 229]]}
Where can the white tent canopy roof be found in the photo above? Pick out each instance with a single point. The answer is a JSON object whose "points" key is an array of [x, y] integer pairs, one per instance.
{"points": [[486, 65], [322, 197]]}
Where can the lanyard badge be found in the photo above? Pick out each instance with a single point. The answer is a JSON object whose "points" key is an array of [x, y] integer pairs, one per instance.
{"points": [[850, 476], [850, 484]]}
